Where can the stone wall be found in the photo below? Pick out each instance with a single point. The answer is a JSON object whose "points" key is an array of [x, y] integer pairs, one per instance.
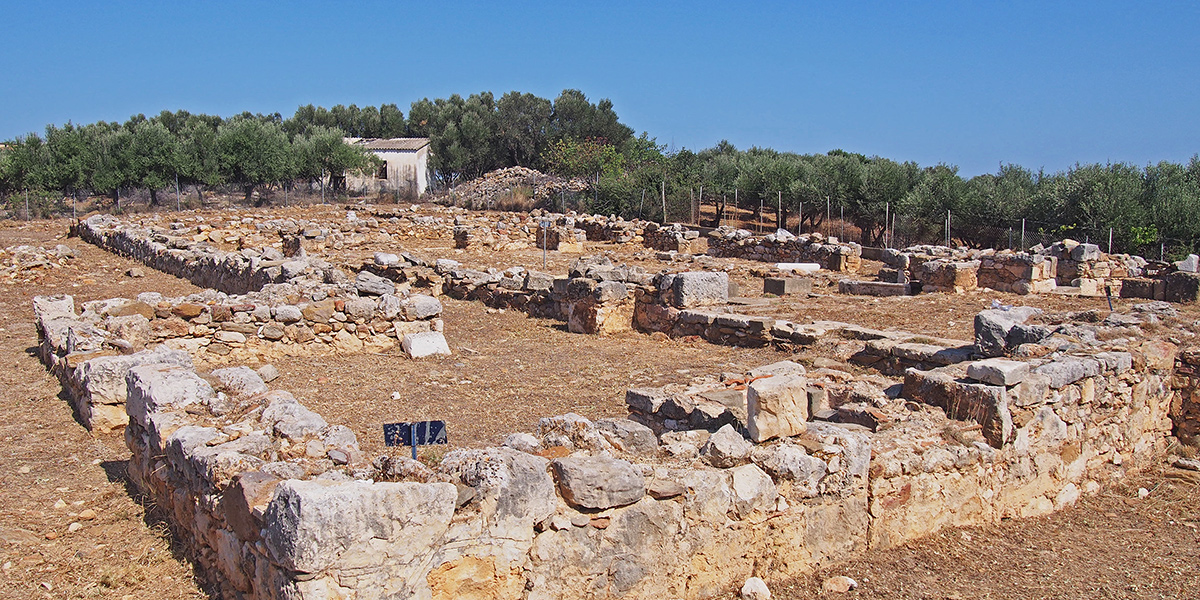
{"points": [[1185, 411], [91, 351], [785, 247], [274, 502], [1018, 272]]}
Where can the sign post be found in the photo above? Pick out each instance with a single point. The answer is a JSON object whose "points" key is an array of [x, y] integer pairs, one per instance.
{"points": [[418, 433]]}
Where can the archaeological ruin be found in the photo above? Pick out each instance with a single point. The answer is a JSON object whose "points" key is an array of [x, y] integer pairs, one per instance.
{"points": [[771, 472]]}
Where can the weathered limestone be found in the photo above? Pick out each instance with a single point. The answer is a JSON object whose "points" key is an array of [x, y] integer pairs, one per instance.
{"points": [[598, 483], [998, 332], [785, 286], [698, 288], [777, 406], [873, 288], [782, 246], [998, 371], [424, 344]]}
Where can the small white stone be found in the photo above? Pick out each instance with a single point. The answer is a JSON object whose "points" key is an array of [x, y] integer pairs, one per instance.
{"points": [[755, 589]]}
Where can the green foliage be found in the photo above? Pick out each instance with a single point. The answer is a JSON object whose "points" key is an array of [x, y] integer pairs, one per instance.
{"points": [[251, 153]]}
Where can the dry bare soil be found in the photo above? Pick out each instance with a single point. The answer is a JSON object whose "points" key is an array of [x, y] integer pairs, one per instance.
{"points": [[72, 527]]}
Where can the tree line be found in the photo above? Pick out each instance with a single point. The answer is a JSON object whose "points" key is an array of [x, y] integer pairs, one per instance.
{"points": [[628, 174]]}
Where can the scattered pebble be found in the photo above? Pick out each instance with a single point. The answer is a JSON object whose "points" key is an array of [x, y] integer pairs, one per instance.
{"points": [[74, 526], [24, 470], [87, 514], [60, 504], [1143, 492]]}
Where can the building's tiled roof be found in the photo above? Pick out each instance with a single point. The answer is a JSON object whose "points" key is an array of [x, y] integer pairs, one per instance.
{"points": [[410, 144]]}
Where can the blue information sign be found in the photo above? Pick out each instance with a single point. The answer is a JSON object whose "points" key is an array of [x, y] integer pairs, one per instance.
{"points": [[419, 433]]}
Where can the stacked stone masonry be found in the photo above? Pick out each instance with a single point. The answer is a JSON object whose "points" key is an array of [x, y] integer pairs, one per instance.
{"points": [[274, 502], [784, 247]]}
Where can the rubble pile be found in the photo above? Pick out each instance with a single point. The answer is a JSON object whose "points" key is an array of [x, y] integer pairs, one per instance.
{"points": [[25, 263], [482, 192]]}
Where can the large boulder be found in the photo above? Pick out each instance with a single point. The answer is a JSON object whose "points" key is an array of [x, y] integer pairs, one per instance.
{"points": [[317, 525]]}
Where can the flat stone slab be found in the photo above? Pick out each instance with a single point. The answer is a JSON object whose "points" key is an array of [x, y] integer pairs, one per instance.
{"points": [[425, 343], [998, 371], [799, 267]]}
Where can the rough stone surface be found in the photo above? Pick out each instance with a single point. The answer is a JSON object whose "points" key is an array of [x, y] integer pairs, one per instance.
{"points": [[753, 490], [697, 288], [242, 381], [419, 306], [306, 519], [369, 283], [998, 332], [726, 448], [596, 482], [998, 371], [628, 436], [776, 406], [426, 343], [157, 388]]}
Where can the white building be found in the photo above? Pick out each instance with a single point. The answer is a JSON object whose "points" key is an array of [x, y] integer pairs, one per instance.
{"points": [[405, 167]]}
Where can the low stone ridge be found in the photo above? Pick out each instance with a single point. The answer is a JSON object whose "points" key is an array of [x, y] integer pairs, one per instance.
{"points": [[784, 247], [90, 352]]}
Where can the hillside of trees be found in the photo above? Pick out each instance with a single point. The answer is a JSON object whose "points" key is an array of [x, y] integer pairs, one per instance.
{"points": [[1145, 210]]}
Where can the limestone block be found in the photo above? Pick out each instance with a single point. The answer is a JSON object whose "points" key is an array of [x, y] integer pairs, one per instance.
{"points": [[360, 308], [645, 400], [753, 490], [514, 490], [1067, 370], [241, 381], [998, 331], [873, 288], [418, 307], [155, 387], [317, 525], [102, 379], [984, 404], [697, 288], [776, 406], [783, 286], [628, 436], [286, 313], [790, 462], [369, 283], [998, 371], [134, 330], [725, 448], [598, 482], [285, 416], [425, 343]]}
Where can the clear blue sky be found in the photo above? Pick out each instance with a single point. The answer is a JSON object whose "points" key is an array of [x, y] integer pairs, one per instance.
{"points": [[975, 84]]}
